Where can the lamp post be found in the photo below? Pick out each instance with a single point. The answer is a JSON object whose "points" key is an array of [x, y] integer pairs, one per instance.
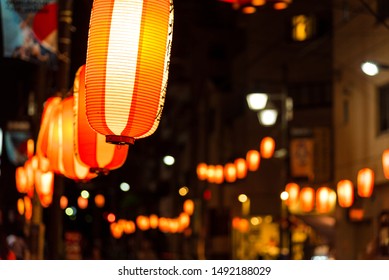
{"points": [[267, 116]]}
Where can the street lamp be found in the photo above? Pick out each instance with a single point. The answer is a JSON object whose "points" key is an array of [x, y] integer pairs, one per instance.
{"points": [[371, 68]]}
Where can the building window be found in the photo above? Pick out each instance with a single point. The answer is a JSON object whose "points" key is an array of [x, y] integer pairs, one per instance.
{"points": [[383, 108]]}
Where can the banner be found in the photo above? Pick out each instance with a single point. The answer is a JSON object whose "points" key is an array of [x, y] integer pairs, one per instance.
{"points": [[30, 30]]}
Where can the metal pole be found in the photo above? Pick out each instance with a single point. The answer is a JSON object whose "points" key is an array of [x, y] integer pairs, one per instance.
{"points": [[65, 13]]}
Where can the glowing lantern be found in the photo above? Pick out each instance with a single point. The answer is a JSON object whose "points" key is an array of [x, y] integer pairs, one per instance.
{"points": [[365, 181], [183, 221], [127, 67], [293, 190], [82, 202], [267, 147], [253, 159], [116, 230], [43, 136], [44, 186], [60, 149], [89, 146], [201, 171], [100, 200], [20, 206], [324, 199], [385, 163], [211, 173], [163, 224], [143, 222], [63, 202], [29, 167], [230, 172], [27, 208], [129, 227], [307, 199], [219, 174], [30, 148], [241, 168], [345, 191], [21, 179], [188, 206], [153, 221]]}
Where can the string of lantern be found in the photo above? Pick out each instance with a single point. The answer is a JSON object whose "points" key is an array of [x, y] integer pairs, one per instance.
{"points": [[117, 97], [251, 6], [323, 200], [231, 171]]}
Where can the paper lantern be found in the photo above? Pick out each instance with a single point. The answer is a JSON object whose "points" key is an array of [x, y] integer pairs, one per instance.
{"points": [[127, 66], [230, 172], [44, 186], [21, 179], [82, 202], [211, 173], [219, 174], [253, 160], [365, 181], [143, 222], [202, 171], [324, 200], [241, 168], [100, 200], [63, 202], [90, 147], [188, 206], [385, 163], [153, 221], [345, 191], [43, 135], [307, 199], [293, 191], [267, 147], [60, 149], [129, 227]]}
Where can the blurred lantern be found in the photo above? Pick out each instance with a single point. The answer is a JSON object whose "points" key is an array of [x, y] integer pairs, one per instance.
{"points": [[44, 186], [253, 159], [345, 191], [307, 199], [20, 206], [63, 202], [230, 172], [211, 173], [241, 168], [267, 147], [43, 135], [27, 208], [143, 222], [188, 206], [163, 224], [60, 149], [129, 227], [365, 181], [82, 202], [293, 191], [153, 221], [235, 223], [325, 200], [183, 221], [89, 146], [30, 148], [174, 225], [219, 174], [202, 171], [99, 200], [21, 179], [30, 167], [385, 163], [116, 230], [244, 225], [127, 66]]}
